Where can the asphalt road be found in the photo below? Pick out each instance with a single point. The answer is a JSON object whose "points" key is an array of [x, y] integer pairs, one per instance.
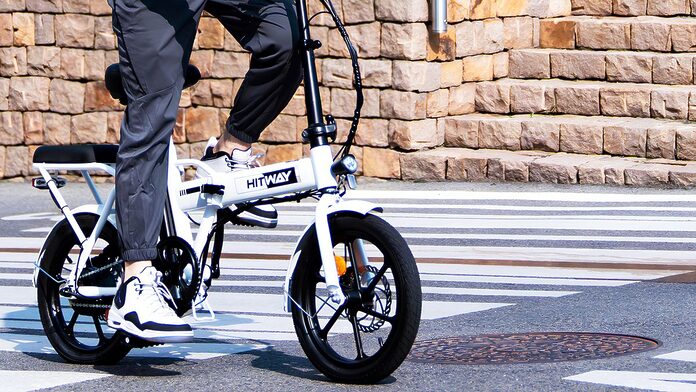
{"points": [[493, 259]]}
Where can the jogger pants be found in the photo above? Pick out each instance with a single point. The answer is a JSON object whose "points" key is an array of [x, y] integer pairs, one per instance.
{"points": [[155, 38]]}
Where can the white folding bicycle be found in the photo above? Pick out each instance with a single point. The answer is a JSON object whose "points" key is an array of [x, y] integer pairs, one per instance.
{"points": [[349, 267]]}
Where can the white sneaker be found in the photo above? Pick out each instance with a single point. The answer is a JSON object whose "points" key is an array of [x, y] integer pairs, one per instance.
{"points": [[142, 308], [262, 215]]}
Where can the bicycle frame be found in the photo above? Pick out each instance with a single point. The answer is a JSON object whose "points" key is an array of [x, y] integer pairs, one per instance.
{"points": [[214, 191]]}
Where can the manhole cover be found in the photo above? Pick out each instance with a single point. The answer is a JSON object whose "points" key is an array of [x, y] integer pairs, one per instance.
{"points": [[527, 348]]}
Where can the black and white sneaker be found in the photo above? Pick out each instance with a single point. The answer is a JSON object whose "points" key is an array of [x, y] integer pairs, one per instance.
{"points": [[142, 308], [262, 215]]}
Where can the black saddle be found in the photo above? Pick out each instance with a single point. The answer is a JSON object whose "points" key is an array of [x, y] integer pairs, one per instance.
{"points": [[79, 153], [112, 79]]}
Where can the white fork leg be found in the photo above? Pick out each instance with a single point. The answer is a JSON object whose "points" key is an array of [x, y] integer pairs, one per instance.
{"points": [[326, 248]]}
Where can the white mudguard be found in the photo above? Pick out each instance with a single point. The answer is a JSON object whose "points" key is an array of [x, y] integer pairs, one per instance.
{"points": [[354, 206]]}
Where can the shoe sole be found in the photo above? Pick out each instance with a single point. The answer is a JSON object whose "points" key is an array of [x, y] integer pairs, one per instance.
{"points": [[118, 323], [255, 220]]}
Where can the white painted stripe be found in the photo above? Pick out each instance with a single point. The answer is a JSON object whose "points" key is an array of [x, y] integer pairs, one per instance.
{"points": [[668, 382], [530, 281], [31, 216], [495, 207], [425, 289], [541, 196], [265, 303], [432, 310], [545, 272], [272, 304], [682, 238], [497, 293], [642, 256], [683, 355], [511, 222], [424, 277], [594, 222], [191, 351], [278, 267], [29, 380], [455, 217]]}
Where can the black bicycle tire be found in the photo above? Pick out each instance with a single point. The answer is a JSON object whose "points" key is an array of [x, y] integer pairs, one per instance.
{"points": [[398, 345], [52, 259]]}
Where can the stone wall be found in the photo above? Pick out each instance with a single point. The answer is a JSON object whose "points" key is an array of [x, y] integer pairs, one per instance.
{"points": [[589, 91]]}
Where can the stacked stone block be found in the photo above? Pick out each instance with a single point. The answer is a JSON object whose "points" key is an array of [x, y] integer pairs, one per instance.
{"points": [[614, 83], [581, 91]]}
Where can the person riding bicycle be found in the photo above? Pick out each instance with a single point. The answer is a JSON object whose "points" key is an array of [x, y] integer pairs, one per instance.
{"points": [[155, 39]]}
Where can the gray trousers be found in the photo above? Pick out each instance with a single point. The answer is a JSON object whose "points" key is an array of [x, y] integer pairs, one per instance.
{"points": [[155, 38]]}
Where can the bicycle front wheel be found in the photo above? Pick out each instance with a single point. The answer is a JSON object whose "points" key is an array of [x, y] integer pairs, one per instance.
{"points": [[367, 337]]}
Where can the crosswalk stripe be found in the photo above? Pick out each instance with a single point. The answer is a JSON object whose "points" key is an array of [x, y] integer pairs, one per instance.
{"points": [[192, 351], [517, 196], [683, 355], [30, 380]]}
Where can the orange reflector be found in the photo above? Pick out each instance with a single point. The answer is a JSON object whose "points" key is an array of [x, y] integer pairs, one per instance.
{"points": [[340, 265]]}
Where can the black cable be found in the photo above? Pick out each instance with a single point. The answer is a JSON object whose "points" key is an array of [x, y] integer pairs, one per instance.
{"points": [[315, 15], [357, 79]]}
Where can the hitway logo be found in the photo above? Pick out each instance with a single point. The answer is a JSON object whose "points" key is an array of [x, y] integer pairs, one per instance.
{"points": [[268, 180]]}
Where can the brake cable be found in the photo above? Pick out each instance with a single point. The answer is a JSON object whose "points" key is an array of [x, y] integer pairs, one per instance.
{"points": [[357, 79]]}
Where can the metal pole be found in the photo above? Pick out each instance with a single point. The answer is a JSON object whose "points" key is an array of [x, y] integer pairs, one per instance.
{"points": [[438, 13]]}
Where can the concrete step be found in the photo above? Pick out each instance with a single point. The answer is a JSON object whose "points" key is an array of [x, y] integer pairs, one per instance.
{"points": [[461, 164], [642, 33], [633, 7], [612, 66], [587, 98], [644, 138]]}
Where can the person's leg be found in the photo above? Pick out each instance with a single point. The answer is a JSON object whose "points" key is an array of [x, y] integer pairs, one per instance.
{"points": [[155, 40], [269, 30]]}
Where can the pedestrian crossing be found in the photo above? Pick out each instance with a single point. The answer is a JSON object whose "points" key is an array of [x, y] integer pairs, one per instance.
{"points": [[476, 252], [653, 381]]}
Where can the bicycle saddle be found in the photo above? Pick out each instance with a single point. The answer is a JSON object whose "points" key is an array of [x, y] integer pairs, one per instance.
{"points": [[112, 79], [79, 153]]}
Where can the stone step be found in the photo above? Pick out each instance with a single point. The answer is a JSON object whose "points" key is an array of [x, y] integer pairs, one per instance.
{"points": [[644, 138], [461, 164], [612, 65], [634, 7], [642, 33], [587, 98]]}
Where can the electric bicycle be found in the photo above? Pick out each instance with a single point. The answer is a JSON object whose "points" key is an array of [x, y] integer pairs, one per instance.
{"points": [[349, 266]]}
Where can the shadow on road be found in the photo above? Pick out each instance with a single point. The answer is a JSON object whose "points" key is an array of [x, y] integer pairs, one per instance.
{"points": [[292, 365], [140, 367]]}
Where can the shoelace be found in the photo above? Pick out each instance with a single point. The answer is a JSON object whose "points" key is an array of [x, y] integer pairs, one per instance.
{"points": [[248, 164], [161, 291]]}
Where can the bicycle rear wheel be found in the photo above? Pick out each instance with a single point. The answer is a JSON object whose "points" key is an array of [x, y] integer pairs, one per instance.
{"points": [[368, 337], [76, 327]]}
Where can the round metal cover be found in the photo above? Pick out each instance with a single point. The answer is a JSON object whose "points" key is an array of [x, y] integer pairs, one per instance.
{"points": [[538, 347]]}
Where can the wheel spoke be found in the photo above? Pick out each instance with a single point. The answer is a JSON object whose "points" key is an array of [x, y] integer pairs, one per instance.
{"points": [[377, 278], [324, 332], [71, 324], [358, 339], [97, 326], [378, 315]]}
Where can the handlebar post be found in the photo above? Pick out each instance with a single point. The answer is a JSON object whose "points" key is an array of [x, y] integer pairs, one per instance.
{"points": [[311, 84]]}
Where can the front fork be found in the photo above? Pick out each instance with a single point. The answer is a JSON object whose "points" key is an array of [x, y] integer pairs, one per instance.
{"points": [[326, 247]]}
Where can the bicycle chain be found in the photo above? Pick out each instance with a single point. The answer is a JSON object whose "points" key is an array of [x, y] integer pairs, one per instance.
{"points": [[94, 306], [98, 270]]}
